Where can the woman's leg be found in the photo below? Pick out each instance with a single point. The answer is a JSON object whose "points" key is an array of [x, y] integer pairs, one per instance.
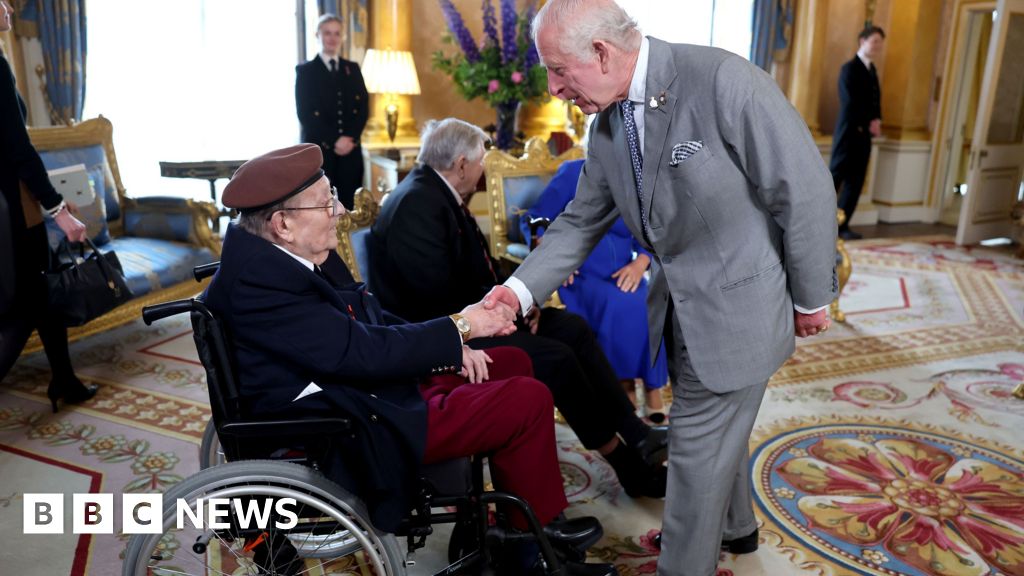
{"points": [[52, 331]]}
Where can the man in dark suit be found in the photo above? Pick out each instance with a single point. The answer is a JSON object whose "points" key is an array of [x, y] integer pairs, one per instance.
{"points": [[860, 119], [333, 106], [428, 258], [309, 341]]}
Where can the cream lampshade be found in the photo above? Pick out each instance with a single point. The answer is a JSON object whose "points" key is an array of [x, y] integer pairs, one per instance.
{"points": [[390, 72]]}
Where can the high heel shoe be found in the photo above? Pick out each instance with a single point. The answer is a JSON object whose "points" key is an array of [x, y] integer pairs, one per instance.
{"points": [[73, 392]]}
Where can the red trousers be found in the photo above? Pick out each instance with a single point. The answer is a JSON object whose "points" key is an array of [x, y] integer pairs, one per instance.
{"points": [[510, 418]]}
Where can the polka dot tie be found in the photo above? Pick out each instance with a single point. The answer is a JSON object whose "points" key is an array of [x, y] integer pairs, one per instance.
{"points": [[633, 139]]}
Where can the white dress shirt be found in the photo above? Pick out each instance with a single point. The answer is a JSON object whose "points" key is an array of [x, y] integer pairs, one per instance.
{"points": [[638, 88], [864, 60], [300, 259], [328, 59]]}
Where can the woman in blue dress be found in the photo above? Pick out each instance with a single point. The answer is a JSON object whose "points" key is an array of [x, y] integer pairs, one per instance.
{"points": [[610, 291]]}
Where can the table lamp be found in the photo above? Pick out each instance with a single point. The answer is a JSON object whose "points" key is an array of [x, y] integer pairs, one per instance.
{"points": [[390, 72]]}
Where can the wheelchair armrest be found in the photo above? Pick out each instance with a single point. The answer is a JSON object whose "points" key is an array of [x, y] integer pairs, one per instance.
{"points": [[304, 427], [536, 224]]}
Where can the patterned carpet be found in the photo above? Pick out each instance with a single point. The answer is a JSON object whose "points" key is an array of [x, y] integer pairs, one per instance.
{"points": [[891, 445]]}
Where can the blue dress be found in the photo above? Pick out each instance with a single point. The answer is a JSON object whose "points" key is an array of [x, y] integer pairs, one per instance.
{"points": [[619, 319]]}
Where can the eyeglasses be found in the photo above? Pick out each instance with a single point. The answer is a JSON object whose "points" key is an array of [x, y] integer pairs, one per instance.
{"points": [[332, 208]]}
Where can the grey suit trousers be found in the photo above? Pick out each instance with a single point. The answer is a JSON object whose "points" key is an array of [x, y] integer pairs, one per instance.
{"points": [[709, 492]]}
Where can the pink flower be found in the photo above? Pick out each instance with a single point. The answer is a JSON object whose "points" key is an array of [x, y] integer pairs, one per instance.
{"points": [[517, 77], [493, 86]]}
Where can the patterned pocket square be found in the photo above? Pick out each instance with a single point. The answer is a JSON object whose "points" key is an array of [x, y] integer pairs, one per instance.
{"points": [[684, 150]]}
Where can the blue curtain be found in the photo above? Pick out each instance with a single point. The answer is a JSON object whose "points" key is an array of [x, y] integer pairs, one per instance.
{"points": [[772, 31], [61, 28]]}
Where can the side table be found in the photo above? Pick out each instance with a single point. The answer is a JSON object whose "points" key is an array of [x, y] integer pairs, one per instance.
{"points": [[210, 170]]}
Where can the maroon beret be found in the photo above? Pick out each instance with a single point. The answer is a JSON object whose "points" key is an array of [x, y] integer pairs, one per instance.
{"points": [[271, 178]]}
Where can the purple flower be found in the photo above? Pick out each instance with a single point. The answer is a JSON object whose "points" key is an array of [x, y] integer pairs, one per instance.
{"points": [[493, 86], [517, 77], [509, 19], [528, 14], [459, 30], [490, 24], [532, 57]]}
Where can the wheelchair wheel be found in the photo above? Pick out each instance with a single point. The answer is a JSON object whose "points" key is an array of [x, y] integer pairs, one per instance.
{"points": [[210, 452], [333, 533]]}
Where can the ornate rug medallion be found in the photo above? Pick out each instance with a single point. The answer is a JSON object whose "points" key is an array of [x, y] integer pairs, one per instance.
{"points": [[895, 500]]}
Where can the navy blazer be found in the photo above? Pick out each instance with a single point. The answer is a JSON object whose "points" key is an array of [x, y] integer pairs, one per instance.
{"points": [[291, 328], [426, 259], [330, 106]]}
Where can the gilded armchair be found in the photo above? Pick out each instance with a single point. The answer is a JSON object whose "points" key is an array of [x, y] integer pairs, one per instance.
{"points": [[513, 186], [844, 267], [352, 230]]}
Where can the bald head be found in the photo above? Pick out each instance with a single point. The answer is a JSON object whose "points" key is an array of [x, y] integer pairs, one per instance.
{"points": [[590, 48]]}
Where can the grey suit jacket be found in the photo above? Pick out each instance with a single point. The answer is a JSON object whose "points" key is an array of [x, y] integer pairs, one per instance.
{"points": [[740, 230]]}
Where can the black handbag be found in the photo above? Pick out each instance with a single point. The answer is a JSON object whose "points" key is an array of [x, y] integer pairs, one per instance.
{"points": [[83, 288]]}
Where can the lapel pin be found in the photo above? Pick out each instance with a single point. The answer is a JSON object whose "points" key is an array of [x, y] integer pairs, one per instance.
{"points": [[653, 104], [661, 97]]}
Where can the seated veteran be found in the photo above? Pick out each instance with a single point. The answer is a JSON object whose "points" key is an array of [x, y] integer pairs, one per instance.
{"points": [[428, 258], [309, 341]]}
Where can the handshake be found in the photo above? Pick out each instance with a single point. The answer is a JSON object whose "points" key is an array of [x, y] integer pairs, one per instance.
{"points": [[495, 315]]}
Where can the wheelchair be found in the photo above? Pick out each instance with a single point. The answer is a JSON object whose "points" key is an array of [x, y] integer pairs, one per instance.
{"points": [[256, 464]]}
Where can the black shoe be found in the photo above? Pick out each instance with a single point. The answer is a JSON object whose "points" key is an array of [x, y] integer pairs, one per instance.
{"points": [[850, 235], [744, 545], [576, 536], [638, 478], [71, 390], [654, 447]]}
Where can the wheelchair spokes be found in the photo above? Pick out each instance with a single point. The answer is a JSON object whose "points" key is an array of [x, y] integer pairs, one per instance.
{"points": [[328, 536]]}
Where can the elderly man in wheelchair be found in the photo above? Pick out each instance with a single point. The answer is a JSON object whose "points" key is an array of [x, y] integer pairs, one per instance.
{"points": [[391, 419]]}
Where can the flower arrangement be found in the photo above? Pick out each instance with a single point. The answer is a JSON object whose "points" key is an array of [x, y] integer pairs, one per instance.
{"points": [[503, 71]]}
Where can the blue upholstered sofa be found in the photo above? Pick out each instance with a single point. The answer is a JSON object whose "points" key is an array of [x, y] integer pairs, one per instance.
{"points": [[157, 239]]}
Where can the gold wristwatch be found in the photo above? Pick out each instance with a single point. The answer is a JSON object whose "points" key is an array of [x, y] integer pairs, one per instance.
{"points": [[463, 325]]}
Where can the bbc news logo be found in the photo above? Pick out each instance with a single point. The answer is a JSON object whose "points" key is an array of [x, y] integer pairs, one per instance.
{"points": [[143, 513]]}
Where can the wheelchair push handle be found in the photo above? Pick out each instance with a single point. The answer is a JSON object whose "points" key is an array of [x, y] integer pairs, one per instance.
{"points": [[205, 270], [156, 312]]}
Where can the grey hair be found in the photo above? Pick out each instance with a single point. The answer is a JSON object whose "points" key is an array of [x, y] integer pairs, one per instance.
{"points": [[443, 141], [580, 22], [328, 17], [258, 223]]}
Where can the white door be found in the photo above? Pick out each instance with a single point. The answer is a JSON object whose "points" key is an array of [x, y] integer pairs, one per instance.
{"points": [[996, 166]]}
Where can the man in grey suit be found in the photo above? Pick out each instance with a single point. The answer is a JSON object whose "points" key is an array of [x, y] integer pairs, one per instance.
{"points": [[715, 172]]}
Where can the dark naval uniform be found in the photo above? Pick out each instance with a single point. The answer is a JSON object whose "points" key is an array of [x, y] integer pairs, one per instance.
{"points": [[330, 105]]}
